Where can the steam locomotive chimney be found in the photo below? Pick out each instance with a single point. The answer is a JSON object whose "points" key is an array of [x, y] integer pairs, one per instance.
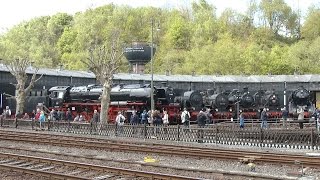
{"points": [[191, 88]]}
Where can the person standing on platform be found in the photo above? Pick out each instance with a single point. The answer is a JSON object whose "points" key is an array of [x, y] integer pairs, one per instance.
{"points": [[241, 120], [144, 117], [264, 118], [185, 118], [69, 115], [134, 118], [120, 119], [7, 112], [165, 120], [301, 118], [201, 118], [42, 119]]}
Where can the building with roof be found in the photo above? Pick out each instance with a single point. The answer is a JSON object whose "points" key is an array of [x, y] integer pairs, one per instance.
{"points": [[61, 77]]}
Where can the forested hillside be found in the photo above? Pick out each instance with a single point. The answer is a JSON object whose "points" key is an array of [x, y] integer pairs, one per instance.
{"points": [[269, 38]]}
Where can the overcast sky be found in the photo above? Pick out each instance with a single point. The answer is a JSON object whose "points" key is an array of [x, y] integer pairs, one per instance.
{"points": [[13, 12]]}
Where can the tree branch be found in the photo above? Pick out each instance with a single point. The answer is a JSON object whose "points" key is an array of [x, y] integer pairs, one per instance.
{"points": [[33, 81]]}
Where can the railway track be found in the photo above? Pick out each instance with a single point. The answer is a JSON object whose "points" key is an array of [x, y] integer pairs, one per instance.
{"points": [[195, 152], [208, 174], [60, 169]]}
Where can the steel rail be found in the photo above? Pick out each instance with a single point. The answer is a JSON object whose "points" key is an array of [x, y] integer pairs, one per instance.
{"points": [[90, 167], [171, 150], [204, 171]]}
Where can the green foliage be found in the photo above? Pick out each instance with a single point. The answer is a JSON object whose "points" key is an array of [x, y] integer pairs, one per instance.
{"points": [[179, 33], [204, 25], [311, 28], [254, 59], [305, 56], [266, 39], [279, 17], [236, 24]]}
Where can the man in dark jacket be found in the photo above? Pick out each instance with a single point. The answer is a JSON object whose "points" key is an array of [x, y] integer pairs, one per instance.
{"points": [[201, 118], [95, 120], [69, 115], [134, 119], [96, 116]]}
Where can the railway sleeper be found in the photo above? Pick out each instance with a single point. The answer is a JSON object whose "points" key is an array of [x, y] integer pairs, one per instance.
{"points": [[248, 159], [75, 172], [15, 162], [25, 164], [103, 177], [295, 173], [47, 168], [7, 161]]}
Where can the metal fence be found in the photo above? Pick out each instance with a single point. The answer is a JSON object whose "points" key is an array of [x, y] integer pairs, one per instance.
{"points": [[275, 136]]}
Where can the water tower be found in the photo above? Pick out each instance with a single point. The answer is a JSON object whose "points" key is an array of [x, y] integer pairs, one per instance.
{"points": [[138, 54]]}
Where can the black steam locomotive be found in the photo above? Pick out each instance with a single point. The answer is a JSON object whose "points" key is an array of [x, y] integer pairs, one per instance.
{"points": [[128, 93], [300, 100], [84, 99], [252, 102], [228, 99], [166, 97]]}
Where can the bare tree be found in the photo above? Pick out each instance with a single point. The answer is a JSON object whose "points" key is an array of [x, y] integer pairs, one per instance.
{"points": [[18, 69], [103, 62]]}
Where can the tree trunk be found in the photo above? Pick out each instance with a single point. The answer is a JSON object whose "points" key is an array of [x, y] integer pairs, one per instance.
{"points": [[105, 101], [20, 98]]}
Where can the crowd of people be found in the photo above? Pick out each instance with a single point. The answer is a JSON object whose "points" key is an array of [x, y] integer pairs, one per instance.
{"points": [[162, 118], [146, 117], [154, 117]]}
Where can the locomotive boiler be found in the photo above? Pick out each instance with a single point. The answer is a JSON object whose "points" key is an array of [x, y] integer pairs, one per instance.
{"points": [[244, 98], [247, 100], [271, 100], [300, 97], [118, 93], [218, 101], [190, 100]]}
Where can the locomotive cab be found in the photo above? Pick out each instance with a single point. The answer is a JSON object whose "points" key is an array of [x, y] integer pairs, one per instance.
{"points": [[165, 95], [59, 95]]}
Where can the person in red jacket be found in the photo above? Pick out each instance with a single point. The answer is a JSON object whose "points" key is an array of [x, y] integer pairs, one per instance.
{"points": [[37, 115]]}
